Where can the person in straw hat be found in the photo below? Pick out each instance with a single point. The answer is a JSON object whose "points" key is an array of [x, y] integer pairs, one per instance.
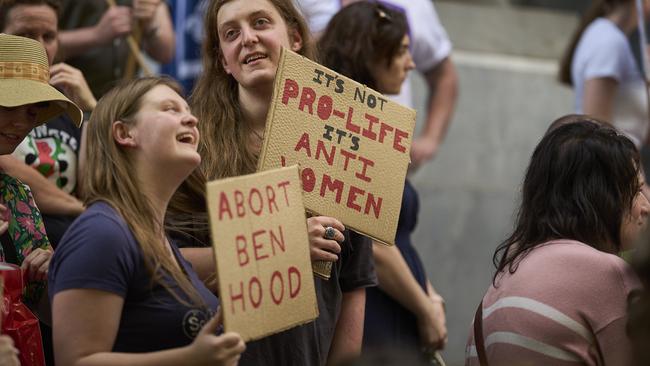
{"points": [[26, 101], [49, 160]]}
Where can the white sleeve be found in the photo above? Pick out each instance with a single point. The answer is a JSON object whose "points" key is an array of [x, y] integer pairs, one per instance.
{"points": [[606, 61], [318, 12]]}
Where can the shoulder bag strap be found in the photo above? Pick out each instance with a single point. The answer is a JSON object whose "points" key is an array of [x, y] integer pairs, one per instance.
{"points": [[478, 335]]}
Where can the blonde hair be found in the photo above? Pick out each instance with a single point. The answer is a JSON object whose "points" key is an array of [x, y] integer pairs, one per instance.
{"points": [[224, 145], [112, 181]]}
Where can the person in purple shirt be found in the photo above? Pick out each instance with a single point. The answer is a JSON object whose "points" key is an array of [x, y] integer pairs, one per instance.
{"points": [[121, 292]]}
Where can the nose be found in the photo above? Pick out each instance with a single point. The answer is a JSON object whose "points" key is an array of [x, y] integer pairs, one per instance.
{"points": [[249, 36], [25, 116], [190, 120], [410, 64]]}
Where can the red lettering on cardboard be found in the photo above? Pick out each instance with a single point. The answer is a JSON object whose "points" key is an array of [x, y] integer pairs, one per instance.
{"points": [[224, 206], [307, 99], [257, 245], [290, 90], [277, 299], [348, 123], [399, 135], [294, 291], [325, 105], [321, 150], [284, 185], [373, 204], [366, 164], [240, 244], [237, 297], [383, 128], [347, 155], [255, 281], [255, 192], [352, 198], [308, 179], [332, 185], [303, 143], [270, 196], [239, 203], [368, 132], [275, 242]]}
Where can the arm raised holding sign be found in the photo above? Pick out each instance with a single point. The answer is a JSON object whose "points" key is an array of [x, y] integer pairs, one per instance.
{"points": [[232, 97]]}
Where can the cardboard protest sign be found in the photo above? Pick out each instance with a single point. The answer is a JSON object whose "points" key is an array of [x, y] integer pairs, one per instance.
{"points": [[351, 143], [259, 235]]}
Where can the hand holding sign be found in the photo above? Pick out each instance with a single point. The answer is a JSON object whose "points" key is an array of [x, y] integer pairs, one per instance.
{"points": [[320, 247], [211, 349]]}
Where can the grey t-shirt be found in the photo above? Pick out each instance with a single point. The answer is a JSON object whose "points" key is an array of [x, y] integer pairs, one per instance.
{"points": [[309, 344]]}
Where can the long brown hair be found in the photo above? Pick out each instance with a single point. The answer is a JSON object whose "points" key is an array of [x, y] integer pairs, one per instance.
{"points": [[224, 145], [112, 181], [598, 8]]}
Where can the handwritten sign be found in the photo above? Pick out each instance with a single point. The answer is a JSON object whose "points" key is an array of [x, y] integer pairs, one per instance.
{"points": [[351, 143], [259, 234]]}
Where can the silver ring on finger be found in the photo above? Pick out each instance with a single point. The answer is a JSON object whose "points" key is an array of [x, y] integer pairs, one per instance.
{"points": [[330, 233]]}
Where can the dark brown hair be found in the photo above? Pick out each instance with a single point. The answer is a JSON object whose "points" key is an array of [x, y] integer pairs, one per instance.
{"points": [[579, 185], [360, 34]]}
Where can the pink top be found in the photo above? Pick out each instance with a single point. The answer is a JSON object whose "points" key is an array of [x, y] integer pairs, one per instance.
{"points": [[565, 305]]}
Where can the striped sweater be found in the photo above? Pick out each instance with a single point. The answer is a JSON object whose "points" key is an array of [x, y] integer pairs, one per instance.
{"points": [[564, 305]]}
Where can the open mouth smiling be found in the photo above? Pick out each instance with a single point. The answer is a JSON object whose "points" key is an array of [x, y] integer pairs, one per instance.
{"points": [[254, 57]]}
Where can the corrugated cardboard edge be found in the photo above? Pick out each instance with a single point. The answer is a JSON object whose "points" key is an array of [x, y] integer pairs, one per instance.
{"points": [[271, 113]]}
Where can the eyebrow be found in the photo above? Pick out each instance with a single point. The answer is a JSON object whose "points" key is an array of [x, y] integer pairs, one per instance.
{"points": [[249, 16], [173, 101]]}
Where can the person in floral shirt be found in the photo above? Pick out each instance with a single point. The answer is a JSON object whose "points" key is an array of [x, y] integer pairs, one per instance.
{"points": [[26, 101]]}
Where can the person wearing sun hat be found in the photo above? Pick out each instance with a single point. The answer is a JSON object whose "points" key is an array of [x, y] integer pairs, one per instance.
{"points": [[26, 101], [49, 160], [24, 79]]}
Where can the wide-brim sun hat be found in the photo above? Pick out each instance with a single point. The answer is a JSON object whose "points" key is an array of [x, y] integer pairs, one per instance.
{"points": [[24, 79]]}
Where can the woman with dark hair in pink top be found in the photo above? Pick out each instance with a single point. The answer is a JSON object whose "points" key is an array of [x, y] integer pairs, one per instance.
{"points": [[559, 294]]}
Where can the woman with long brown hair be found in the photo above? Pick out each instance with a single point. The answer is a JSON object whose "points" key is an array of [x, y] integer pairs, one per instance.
{"points": [[369, 42], [121, 292], [241, 50]]}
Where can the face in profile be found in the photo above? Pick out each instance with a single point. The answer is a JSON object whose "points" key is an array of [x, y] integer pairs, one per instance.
{"points": [[251, 33], [634, 221], [389, 77], [15, 124], [165, 132]]}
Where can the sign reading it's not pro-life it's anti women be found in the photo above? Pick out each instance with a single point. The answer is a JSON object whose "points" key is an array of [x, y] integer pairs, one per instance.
{"points": [[351, 142]]}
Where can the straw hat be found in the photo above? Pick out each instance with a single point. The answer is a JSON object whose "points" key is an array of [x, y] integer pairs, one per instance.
{"points": [[25, 76]]}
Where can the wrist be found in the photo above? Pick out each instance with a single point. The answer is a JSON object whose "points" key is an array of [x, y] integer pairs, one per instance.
{"points": [[437, 299]]}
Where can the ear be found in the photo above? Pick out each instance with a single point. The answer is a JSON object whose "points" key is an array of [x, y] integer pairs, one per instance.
{"points": [[295, 40], [123, 134], [224, 64]]}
